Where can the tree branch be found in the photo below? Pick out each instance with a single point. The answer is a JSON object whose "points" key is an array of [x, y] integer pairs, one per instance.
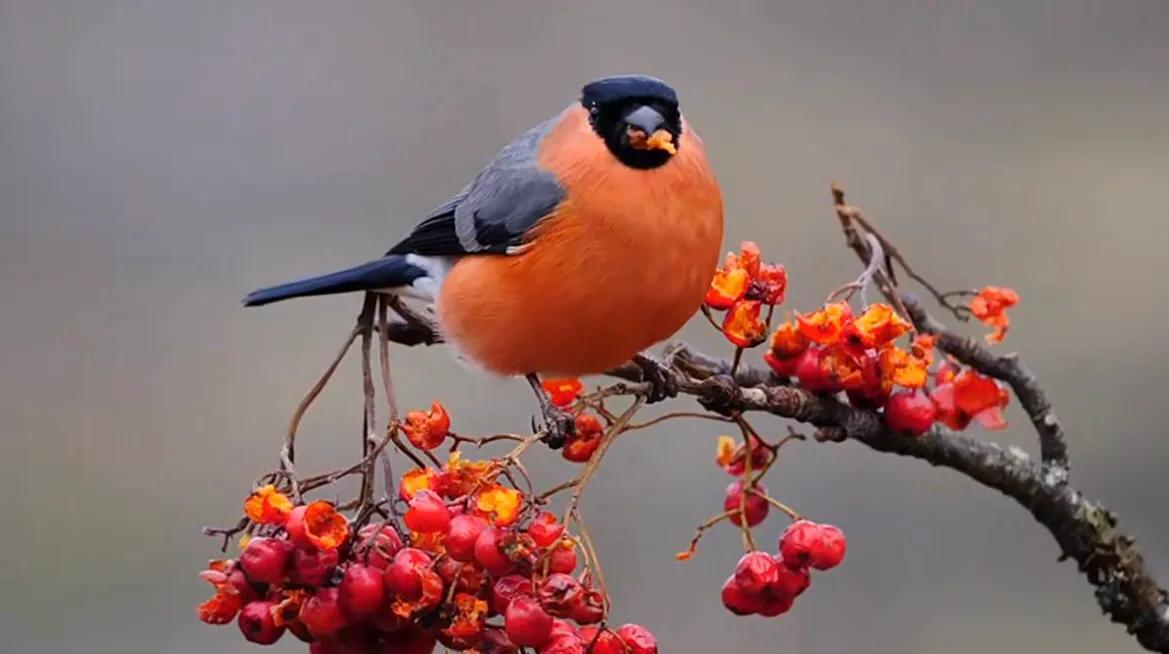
{"points": [[1008, 368], [1085, 531]]}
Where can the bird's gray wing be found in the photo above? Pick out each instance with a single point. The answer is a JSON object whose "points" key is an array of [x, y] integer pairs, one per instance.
{"points": [[494, 212]]}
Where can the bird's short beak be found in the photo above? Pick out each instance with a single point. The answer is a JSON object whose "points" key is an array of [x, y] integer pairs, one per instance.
{"points": [[645, 130]]}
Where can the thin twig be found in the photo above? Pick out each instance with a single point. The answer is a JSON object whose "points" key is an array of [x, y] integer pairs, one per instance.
{"points": [[288, 453]]}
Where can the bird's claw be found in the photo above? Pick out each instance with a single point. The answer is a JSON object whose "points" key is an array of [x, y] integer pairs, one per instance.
{"points": [[663, 381], [558, 426]]}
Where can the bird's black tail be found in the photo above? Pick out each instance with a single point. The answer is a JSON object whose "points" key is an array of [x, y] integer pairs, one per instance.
{"points": [[388, 272]]}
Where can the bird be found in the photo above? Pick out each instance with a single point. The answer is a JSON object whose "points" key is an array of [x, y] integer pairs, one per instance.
{"points": [[581, 244]]}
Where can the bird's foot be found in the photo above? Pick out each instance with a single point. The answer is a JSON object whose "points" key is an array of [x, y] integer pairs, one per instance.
{"points": [[558, 426], [663, 381], [558, 423]]}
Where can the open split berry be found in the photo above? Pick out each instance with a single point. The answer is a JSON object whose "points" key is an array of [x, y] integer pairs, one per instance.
{"points": [[585, 438], [546, 529], [404, 576], [317, 524], [590, 609], [560, 594], [506, 589]]}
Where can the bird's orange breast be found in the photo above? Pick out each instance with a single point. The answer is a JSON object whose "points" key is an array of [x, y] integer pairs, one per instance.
{"points": [[621, 264]]}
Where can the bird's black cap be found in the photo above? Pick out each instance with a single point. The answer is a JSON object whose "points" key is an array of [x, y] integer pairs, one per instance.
{"points": [[626, 87]]}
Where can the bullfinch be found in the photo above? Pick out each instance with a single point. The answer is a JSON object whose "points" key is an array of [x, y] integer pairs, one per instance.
{"points": [[583, 242]]}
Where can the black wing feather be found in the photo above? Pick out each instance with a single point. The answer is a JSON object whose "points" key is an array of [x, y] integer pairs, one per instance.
{"points": [[496, 210]]}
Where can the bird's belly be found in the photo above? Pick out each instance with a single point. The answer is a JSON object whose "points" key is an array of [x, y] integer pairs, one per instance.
{"points": [[579, 302]]}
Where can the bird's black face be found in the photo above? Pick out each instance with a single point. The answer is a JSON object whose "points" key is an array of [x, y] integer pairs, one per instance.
{"points": [[637, 117]]}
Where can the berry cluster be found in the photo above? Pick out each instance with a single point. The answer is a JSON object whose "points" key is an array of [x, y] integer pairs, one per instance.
{"points": [[768, 585], [762, 583], [832, 350], [470, 564]]}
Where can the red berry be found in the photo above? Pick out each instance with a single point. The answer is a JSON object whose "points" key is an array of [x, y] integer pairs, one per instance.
{"points": [[322, 613], [638, 639], [757, 507], [460, 540], [296, 528], [527, 624], [389, 622], [495, 641], [830, 550], [788, 582], [584, 440], [562, 559], [506, 589], [812, 375], [239, 581], [404, 576], [488, 552], [568, 644], [760, 456], [782, 367], [258, 624], [560, 594], [410, 641], [796, 543], [867, 399], [910, 413], [356, 639], [312, 567], [739, 601], [545, 529], [363, 591], [756, 571], [378, 543], [601, 641], [591, 608], [296, 627], [265, 560], [427, 513], [774, 605], [563, 629]]}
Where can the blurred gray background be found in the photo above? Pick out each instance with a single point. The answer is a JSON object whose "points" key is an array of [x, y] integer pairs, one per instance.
{"points": [[160, 159]]}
